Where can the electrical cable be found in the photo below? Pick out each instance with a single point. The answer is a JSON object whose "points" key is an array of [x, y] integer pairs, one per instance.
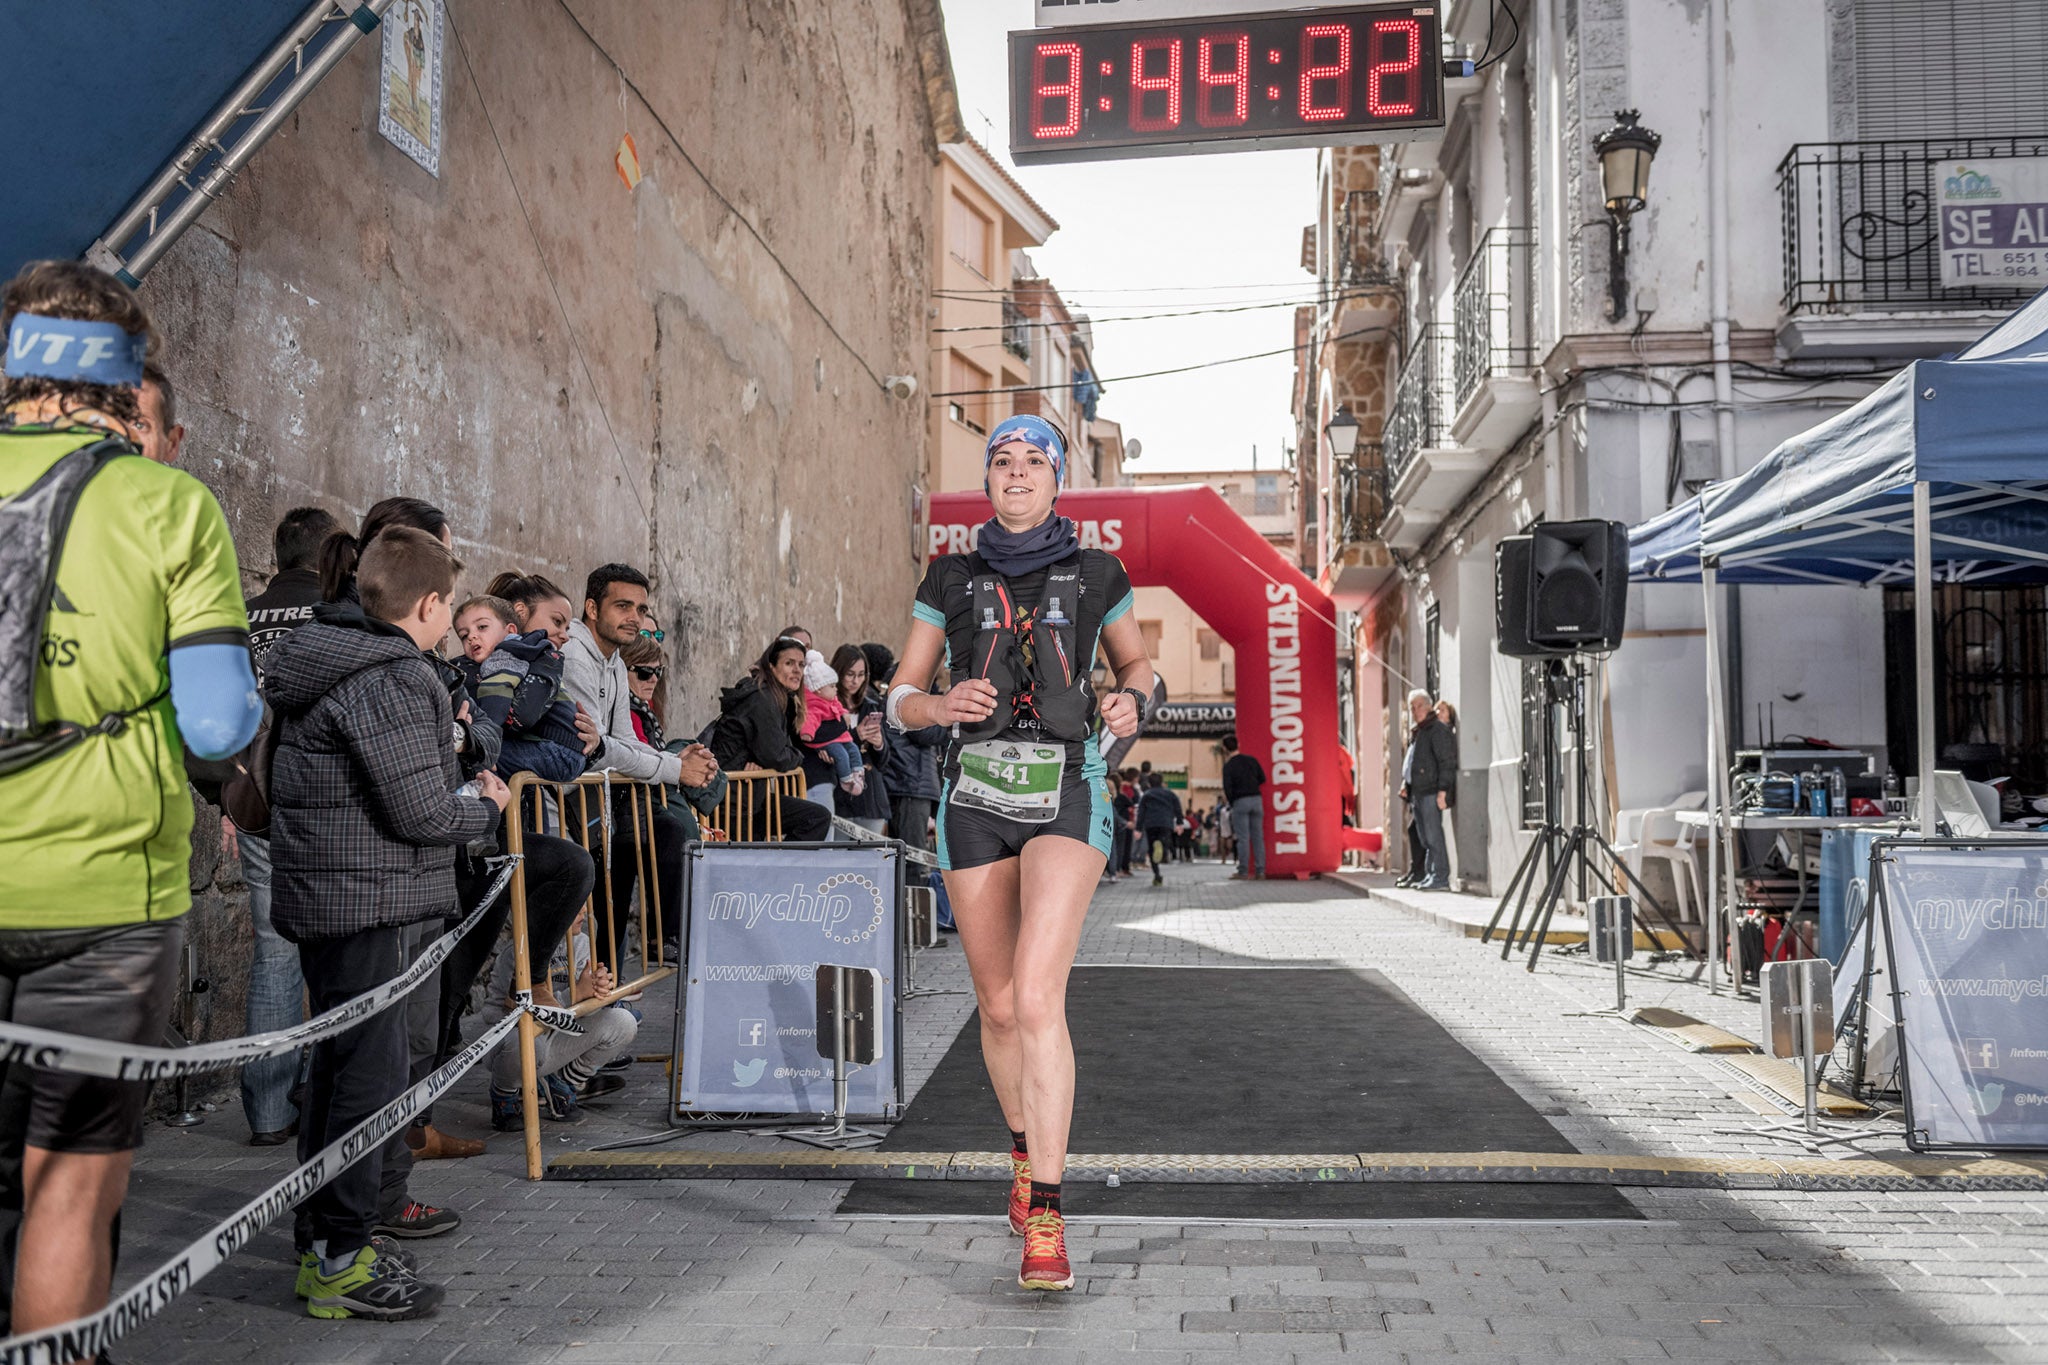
{"points": [[1503, 4], [720, 195], [1311, 301], [1294, 285], [1151, 374]]}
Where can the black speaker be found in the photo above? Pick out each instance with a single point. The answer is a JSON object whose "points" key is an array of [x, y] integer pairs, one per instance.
{"points": [[1578, 584], [1511, 600]]}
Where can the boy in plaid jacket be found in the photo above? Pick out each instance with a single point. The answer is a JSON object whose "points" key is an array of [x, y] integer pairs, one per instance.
{"points": [[365, 824]]}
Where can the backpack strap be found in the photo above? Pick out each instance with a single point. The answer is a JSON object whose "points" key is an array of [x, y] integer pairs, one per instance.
{"points": [[34, 524]]}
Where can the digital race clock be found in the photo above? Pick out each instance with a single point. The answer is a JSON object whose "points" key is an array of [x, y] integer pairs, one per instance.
{"points": [[1310, 77]]}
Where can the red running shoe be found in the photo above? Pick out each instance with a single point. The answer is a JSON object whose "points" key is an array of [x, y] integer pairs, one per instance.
{"points": [[1020, 1191], [1045, 1253]]}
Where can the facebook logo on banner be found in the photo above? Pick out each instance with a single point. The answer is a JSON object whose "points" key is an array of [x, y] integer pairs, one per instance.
{"points": [[753, 1033], [1982, 1053]]}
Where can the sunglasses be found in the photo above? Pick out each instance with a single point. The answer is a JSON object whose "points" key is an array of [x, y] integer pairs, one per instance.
{"points": [[655, 635], [646, 672]]}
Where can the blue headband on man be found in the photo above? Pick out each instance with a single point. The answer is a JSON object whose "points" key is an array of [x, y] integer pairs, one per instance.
{"points": [[74, 349], [1035, 432]]}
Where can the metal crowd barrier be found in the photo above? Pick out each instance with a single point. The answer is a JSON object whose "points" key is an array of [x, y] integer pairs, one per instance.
{"points": [[588, 809]]}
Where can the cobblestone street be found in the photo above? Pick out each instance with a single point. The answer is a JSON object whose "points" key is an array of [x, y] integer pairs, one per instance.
{"points": [[767, 1271]]}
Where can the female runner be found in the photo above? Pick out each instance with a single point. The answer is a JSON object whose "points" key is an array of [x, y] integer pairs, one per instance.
{"points": [[1024, 827]]}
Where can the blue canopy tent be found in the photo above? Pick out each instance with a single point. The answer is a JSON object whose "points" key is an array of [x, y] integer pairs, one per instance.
{"points": [[1941, 475], [129, 117]]}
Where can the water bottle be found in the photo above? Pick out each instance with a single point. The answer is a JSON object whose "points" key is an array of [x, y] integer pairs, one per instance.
{"points": [[988, 618], [473, 789], [1816, 791], [1838, 793]]}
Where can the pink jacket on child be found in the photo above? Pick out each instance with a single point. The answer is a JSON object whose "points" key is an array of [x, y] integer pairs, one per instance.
{"points": [[820, 707]]}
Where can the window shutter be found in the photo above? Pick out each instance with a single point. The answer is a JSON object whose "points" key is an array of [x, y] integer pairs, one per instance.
{"points": [[1951, 68]]}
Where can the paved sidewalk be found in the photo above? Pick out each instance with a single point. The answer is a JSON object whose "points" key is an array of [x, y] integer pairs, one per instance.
{"points": [[721, 1271]]}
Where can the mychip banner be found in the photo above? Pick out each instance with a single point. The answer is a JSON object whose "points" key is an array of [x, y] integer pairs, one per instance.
{"points": [[762, 917], [1967, 930]]}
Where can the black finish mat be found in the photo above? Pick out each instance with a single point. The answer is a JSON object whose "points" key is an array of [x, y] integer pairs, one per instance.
{"points": [[1273, 1062]]}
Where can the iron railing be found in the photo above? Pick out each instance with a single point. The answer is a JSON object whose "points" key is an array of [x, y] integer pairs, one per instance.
{"points": [[1361, 496], [1860, 227], [1491, 312], [1016, 331], [1422, 401]]}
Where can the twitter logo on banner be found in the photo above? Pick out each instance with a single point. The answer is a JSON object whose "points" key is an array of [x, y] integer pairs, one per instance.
{"points": [[748, 1073]]}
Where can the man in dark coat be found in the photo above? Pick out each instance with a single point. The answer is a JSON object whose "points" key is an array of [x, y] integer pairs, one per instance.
{"points": [[1428, 776]]}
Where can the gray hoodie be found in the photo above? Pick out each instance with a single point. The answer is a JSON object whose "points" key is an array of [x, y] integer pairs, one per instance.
{"points": [[598, 685]]}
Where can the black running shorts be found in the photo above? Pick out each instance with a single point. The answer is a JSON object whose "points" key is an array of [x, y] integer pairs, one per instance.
{"points": [[976, 838], [114, 984]]}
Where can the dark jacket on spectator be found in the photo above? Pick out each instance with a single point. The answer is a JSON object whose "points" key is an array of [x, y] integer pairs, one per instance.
{"points": [[1432, 762], [910, 764], [1243, 776], [1158, 808], [751, 732], [365, 822]]}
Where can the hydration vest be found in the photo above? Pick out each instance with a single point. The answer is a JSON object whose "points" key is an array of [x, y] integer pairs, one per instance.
{"points": [[1035, 657], [33, 525]]}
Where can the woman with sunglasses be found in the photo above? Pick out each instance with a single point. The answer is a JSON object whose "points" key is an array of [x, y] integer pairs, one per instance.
{"points": [[646, 666], [1024, 825]]}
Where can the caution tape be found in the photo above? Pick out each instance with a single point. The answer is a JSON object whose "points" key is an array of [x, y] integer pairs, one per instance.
{"points": [[860, 834], [83, 1338], [55, 1051]]}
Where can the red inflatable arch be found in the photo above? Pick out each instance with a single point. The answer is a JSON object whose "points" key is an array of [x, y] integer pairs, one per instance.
{"points": [[1187, 538]]}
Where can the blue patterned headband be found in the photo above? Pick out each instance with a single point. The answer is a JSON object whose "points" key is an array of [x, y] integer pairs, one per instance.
{"points": [[1035, 432], [73, 349]]}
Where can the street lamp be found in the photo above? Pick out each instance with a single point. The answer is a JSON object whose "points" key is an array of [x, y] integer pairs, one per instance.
{"points": [[1626, 151], [1343, 433]]}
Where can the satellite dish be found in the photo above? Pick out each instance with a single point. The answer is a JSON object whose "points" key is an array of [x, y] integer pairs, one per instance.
{"points": [[1133, 448]]}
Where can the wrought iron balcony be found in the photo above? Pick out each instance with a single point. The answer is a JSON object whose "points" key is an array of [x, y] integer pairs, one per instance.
{"points": [[1361, 496], [1016, 331], [1422, 402], [1859, 223], [1491, 312]]}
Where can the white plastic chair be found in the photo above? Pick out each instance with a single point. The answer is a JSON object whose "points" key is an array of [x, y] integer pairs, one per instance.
{"points": [[1663, 838]]}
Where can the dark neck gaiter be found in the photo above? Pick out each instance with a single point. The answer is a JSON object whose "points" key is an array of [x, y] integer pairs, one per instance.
{"points": [[1014, 553]]}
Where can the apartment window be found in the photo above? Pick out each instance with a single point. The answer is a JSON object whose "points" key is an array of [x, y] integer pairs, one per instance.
{"points": [[969, 235], [1266, 495], [972, 404], [1210, 643], [1927, 68], [1152, 630], [1230, 677]]}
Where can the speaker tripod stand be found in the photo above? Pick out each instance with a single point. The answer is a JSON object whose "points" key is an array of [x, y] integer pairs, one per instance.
{"points": [[1557, 853]]}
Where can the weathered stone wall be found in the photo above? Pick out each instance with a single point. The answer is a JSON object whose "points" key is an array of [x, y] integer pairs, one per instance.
{"points": [[683, 375]]}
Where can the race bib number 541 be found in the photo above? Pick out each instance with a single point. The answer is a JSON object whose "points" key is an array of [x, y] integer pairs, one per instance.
{"points": [[1016, 780]]}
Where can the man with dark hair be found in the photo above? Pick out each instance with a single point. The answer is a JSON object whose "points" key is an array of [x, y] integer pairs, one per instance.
{"points": [[276, 990], [158, 433], [136, 653], [1243, 779], [594, 671]]}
